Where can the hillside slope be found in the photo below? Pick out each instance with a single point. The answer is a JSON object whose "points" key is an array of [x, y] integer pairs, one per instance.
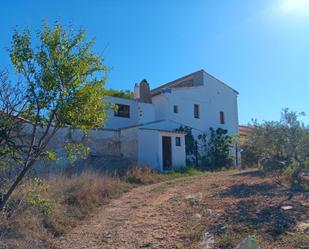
{"points": [[226, 206]]}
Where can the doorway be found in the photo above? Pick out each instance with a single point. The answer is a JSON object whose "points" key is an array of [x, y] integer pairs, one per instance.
{"points": [[167, 152]]}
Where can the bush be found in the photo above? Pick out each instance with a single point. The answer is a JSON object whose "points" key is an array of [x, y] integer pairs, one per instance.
{"points": [[40, 210], [280, 147], [217, 146], [43, 209], [185, 171], [226, 242], [126, 94], [142, 175]]}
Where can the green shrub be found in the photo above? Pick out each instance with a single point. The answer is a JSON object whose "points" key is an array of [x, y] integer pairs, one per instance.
{"points": [[185, 171], [226, 242], [288, 171], [125, 94], [277, 145], [216, 149], [43, 204]]}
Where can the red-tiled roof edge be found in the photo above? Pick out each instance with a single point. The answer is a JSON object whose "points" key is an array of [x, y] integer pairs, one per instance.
{"points": [[244, 130]]}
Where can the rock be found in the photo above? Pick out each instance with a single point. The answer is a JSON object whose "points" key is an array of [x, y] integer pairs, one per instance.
{"points": [[196, 217], [158, 237], [209, 211], [286, 207], [208, 241], [248, 243], [194, 198]]}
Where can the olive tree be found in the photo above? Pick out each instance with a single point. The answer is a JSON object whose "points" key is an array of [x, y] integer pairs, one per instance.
{"points": [[61, 84], [277, 145]]}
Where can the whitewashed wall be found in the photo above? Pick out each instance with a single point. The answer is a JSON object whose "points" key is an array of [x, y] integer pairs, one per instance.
{"points": [[140, 113], [114, 122], [150, 149], [146, 113], [149, 152], [212, 98], [160, 103], [178, 152]]}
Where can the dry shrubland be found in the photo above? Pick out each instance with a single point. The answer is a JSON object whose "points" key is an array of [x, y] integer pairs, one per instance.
{"points": [[43, 209], [142, 175]]}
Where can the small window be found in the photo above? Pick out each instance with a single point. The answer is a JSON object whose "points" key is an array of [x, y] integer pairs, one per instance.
{"points": [[176, 109], [178, 141], [122, 111], [196, 111], [222, 121]]}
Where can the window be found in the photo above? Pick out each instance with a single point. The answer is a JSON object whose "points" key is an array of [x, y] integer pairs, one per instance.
{"points": [[196, 111], [176, 109], [178, 141], [122, 111], [222, 121]]}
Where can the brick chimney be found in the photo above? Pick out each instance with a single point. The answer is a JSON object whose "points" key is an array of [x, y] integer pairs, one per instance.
{"points": [[144, 91]]}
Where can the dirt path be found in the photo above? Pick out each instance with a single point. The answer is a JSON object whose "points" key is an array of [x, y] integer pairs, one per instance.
{"points": [[147, 217], [231, 207]]}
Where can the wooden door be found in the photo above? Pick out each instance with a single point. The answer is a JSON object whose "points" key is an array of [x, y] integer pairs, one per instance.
{"points": [[167, 152]]}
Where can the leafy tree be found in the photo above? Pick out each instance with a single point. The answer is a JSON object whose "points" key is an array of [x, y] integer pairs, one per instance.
{"points": [[209, 151], [126, 94], [62, 81], [192, 151], [216, 148], [11, 123], [277, 145]]}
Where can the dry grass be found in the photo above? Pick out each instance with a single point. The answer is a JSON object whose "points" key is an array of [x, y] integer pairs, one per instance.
{"points": [[79, 196], [23, 229], [142, 175], [42, 210]]}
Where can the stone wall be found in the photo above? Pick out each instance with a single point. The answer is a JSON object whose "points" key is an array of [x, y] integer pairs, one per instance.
{"points": [[105, 151], [101, 142], [110, 149], [129, 143]]}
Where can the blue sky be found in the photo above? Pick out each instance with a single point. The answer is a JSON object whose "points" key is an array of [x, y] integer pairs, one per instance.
{"points": [[259, 47]]}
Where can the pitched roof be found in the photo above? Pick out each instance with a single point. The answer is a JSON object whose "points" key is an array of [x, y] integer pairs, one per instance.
{"points": [[187, 80], [174, 83]]}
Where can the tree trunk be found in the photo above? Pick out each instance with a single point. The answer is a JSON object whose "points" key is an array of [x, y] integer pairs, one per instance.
{"points": [[296, 177], [19, 178], [27, 166]]}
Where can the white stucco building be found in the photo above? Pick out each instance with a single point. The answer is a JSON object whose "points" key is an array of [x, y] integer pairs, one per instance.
{"points": [[147, 124]]}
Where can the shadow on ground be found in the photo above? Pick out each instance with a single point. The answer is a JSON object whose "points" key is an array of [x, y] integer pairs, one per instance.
{"points": [[251, 173], [245, 190], [271, 218], [260, 207]]}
